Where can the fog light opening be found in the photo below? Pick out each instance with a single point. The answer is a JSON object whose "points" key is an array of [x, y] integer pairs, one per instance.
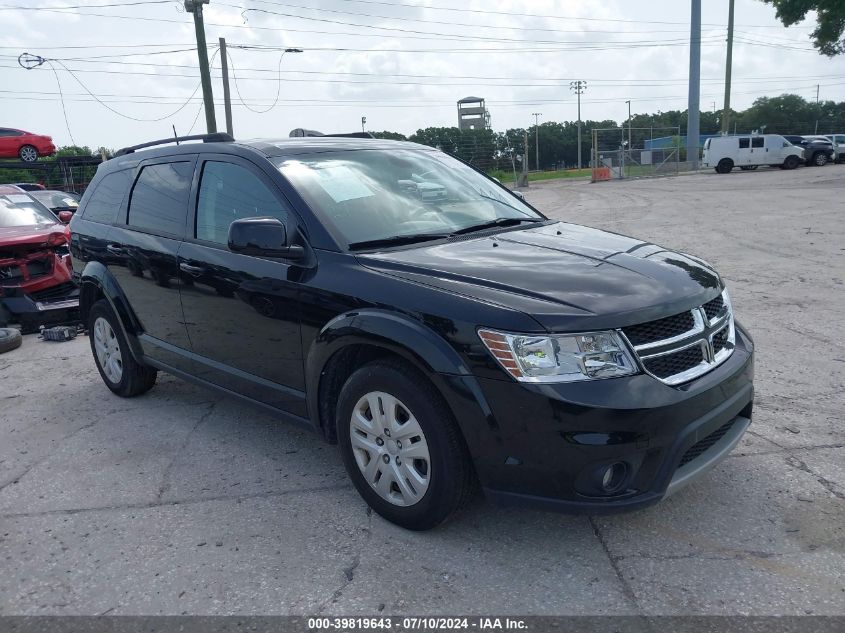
{"points": [[614, 477]]}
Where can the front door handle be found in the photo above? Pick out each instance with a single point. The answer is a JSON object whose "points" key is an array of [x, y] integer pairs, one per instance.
{"points": [[191, 270]]}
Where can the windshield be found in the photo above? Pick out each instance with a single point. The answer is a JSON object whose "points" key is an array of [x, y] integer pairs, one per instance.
{"points": [[381, 195], [56, 199], [18, 209]]}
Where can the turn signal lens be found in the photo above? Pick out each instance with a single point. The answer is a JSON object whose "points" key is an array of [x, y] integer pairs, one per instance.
{"points": [[561, 358]]}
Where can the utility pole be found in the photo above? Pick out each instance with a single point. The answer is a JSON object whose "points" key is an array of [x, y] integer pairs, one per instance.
{"points": [[693, 107], [630, 147], [537, 116], [816, 129], [363, 123], [726, 115], [195, 7], [578, 87], [227, 100]]}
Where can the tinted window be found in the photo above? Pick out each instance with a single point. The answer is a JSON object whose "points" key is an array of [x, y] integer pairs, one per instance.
{"points": [[743, 143], [159, 200], [757, 141], [105, 202], [227, 193], [7, 132]]}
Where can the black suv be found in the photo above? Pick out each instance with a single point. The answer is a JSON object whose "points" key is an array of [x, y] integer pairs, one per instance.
{"points": [[818, 151], [411, 309]]}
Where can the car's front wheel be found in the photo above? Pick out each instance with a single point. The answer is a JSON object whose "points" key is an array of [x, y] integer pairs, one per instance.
{"points": [[28, 154], [725, 166], [820, 159], [118, 368], [401, 446], [791, 162]]}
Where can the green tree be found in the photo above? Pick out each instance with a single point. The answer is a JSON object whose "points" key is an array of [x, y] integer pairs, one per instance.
{"points": [[393, 136], [830, 21]]}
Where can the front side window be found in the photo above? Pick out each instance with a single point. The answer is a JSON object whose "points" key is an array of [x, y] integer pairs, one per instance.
{"points": [[159, 201], [104, 203], [374, 194], [230, 192]]}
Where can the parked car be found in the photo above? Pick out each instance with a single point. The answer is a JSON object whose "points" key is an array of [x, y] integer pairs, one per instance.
{"points": [[57, 201], [36, 285], [440, 343], [723, 153], [817, 150], [30, 186], [24, 145], [838, 141]]}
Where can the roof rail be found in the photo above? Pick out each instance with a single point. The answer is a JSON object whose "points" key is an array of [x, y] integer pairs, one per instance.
{"points": [[302, 132], [217, 137]]}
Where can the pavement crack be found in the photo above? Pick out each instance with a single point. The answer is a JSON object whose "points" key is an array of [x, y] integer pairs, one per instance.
{"points": [[827, 484], [165, 480], [627, 590]]}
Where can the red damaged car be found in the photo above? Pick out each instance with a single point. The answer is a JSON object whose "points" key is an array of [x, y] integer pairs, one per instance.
{"points": [[36, 283]]}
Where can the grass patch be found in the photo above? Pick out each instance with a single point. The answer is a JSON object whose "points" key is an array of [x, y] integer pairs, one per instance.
{"points": [[507, 176]]}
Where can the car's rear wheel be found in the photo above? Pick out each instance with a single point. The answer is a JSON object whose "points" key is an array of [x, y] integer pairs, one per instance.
{"points": [[401, 446], [10, 339], [28, 154], [791, 162], [118, 368], [725, 166], [820, 159]]}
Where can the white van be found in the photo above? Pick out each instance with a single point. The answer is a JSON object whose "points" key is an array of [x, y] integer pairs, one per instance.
{"points": [[723, 153], [838, 141]]}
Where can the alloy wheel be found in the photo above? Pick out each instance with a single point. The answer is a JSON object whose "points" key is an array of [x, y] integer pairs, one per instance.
{"points": [[28, 154], [390, 448]]}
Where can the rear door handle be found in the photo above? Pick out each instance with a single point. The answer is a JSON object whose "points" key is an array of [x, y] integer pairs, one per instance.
{"points": [[114, 250], [191, 270]]}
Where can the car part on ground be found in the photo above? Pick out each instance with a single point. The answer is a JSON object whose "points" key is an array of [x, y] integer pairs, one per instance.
{"points": [[58, 333], [558, 366], [10, 339]]}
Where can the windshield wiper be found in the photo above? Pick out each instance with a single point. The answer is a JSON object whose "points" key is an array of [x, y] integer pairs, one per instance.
{"points": [[494, 223], [398, 240]]}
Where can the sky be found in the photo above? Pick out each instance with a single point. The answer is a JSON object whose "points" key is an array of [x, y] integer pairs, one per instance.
{"points": [[128, 69]]}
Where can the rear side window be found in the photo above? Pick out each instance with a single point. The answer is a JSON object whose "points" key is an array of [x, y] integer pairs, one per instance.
{"points": [[105, 202], [159, 201], [230, 192], [743, 143], [757, 141]]}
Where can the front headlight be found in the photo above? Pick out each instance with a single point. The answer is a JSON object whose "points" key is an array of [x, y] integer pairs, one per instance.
{"points": [[560, 358]]}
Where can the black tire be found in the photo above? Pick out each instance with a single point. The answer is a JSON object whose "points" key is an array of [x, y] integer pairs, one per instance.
{"points": [[28, 154], [135, 378], [725, 166], [791, 162], [10, 339], [452, 480]]}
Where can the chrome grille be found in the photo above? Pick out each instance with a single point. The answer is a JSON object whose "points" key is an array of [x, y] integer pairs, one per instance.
{"points": [[681, 347]]}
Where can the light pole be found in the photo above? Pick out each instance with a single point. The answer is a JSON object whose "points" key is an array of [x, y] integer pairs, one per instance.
{"points": [[629, 124], [537, 116], [578, 87], [363, 123]]}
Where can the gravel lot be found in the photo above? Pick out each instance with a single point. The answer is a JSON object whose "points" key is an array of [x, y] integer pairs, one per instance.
{"points": [[185, 502]]}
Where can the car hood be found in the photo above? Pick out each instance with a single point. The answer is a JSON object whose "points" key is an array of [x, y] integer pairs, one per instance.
{"points": [[567, 277], [17, 236]]}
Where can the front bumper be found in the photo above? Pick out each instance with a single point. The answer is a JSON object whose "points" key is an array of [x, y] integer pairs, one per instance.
{"points": [[545, 445], [59, 307]]}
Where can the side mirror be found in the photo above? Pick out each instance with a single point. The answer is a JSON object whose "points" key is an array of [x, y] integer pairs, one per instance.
{"points": [[65, 216], [265, 237]]}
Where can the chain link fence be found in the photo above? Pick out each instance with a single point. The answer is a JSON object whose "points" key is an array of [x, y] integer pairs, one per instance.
{"points": [[624, 152]]}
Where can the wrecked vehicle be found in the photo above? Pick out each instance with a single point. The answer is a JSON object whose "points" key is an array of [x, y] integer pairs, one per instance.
{"points": [[36, 275]]}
